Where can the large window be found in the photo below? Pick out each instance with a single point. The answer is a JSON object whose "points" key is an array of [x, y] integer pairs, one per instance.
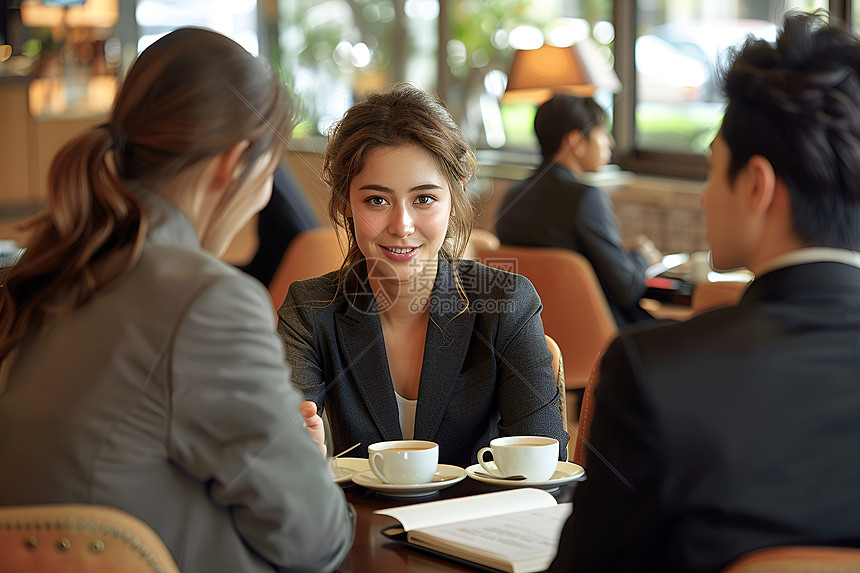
{"points": [[556, 23], [679, 48], [236, 19], [333, 50], [667, 53]]}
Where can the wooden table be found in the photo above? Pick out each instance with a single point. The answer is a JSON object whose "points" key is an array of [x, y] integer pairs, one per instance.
{"points": [[372, 552]]}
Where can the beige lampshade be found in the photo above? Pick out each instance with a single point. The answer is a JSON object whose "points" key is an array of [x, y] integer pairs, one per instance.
{"points": [[536, 75]]}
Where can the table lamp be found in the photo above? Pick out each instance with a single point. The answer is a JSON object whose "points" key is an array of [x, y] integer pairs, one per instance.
{"points": [[579, 70]]}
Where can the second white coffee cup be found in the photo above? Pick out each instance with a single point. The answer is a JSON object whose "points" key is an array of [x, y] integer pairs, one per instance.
{"points": [[404, 461], [535, 457]]}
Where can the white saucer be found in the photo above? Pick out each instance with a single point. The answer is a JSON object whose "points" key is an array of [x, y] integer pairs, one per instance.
{"points": [[344, 468], [445, 476], [565, 472]]}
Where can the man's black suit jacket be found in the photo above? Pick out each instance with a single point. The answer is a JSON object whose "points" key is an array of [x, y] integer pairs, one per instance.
{"points": [[735, 430], [554, 209]]}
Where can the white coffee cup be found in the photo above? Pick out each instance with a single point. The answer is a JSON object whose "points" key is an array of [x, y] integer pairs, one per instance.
{"points": [[535, 457], [404, 461]]}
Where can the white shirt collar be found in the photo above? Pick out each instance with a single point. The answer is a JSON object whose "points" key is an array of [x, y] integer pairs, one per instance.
{"points": [[810, 255]]}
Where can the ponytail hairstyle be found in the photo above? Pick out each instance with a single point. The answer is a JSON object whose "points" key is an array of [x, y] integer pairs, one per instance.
{"points": [[402, 115], [189, 97]]}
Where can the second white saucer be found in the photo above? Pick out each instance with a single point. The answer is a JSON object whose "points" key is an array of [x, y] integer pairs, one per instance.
{"points": [[445, 476], [565, 472]]}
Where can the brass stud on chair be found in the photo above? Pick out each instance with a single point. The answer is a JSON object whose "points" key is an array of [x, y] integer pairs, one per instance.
{"points": [[98, 546], [31, 542], [64, 544]]}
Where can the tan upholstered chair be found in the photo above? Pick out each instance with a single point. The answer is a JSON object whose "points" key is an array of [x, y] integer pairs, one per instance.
{"points": [[77, 539], [558, 369], [707, 296], [310, 254], [797, 559], [575, 312], [586, 413]]}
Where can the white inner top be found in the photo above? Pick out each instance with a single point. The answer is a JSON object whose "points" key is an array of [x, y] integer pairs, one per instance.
{"points": [[406, 408]]}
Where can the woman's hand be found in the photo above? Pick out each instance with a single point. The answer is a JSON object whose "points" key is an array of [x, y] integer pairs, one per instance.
{"points": [[314, 423], [647, 247]]}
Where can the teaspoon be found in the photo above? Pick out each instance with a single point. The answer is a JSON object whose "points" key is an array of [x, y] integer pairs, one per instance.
{"points": [[510, 478]]}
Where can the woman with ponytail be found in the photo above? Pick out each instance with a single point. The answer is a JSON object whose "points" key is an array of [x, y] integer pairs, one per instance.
{"points": [[138, 370]]}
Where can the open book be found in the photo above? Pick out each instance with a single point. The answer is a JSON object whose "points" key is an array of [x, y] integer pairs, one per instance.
{"points": [[516, 530]]}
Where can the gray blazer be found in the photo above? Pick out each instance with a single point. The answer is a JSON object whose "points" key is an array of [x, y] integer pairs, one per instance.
{"points": [[167, 396], [486, 371]]}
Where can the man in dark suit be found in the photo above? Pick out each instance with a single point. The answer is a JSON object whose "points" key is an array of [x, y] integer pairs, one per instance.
{"points": [[739, 429], [554, 208]]}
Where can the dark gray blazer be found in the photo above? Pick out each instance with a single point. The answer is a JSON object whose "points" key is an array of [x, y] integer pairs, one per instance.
{"points": [[486, 371], [553, 208], [736, 430], [167, 396]]}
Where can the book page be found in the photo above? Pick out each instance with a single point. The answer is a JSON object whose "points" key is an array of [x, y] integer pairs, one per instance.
{"points": [[517, 542], [470, 507]]}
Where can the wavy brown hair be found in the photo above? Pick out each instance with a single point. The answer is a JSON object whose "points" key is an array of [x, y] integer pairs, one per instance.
{"points": [[190, 96], [402, 115]]}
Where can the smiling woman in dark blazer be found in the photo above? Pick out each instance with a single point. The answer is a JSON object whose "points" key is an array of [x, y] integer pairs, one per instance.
{"points": [[407, 340]]}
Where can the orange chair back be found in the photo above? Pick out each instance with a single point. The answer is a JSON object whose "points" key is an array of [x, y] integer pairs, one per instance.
{"points": [[310, 254], [79, 539], [575, 312], [797, 559]]}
